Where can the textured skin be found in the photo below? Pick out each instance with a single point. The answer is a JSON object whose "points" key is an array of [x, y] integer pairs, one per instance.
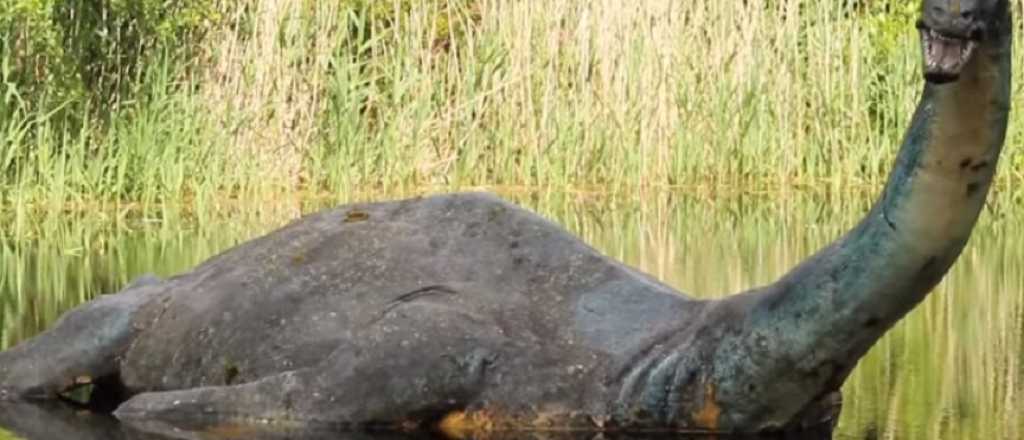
{"points": [[468, 314], [396, 309]]}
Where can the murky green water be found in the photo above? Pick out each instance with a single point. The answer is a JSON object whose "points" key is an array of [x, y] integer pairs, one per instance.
{"points": [[953, 369]]}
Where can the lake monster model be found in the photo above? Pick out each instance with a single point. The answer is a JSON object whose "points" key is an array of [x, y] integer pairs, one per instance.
{"points": [[466, 313]]}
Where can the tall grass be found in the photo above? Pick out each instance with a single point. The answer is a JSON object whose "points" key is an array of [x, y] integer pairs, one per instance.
{"points": [[304, 96]]}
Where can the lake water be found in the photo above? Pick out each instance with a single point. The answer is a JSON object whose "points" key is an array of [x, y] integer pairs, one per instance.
{"points": [[953, 369]]}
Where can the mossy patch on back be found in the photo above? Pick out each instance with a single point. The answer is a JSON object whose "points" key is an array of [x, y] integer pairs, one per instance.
{"points": [[354, 216], [231, 372]]}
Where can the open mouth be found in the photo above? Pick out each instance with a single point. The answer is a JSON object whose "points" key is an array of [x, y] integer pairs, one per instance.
{"points": [[944, 56]]}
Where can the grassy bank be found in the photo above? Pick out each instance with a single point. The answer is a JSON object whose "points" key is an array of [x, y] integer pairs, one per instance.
{"points": [[298, 96]]}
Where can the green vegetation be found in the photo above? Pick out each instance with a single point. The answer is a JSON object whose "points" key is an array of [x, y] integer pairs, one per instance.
{"points": [[199, 100], [60, 56]]}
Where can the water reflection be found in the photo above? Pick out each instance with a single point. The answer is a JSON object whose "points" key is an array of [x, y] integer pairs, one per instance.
{"points": [[60, 422], [953, 369]]}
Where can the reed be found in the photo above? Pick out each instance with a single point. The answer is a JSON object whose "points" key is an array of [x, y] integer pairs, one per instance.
{"points": [[305, 97]]}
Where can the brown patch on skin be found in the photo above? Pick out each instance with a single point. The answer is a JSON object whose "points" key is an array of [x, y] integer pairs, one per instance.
{"points": [[488, 424], [233, 431], [464, 425], [707, 417], [356, 216], [483, 424]]}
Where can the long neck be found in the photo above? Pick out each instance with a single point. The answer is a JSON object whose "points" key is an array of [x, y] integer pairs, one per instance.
{"points": [[807, 331]]}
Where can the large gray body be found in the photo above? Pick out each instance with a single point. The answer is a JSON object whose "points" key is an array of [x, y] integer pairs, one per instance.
{"points": [[455, 301], [403, 314]]}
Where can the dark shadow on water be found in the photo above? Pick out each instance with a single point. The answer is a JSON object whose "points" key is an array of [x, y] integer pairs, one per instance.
{"points": [[56, 421]]}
